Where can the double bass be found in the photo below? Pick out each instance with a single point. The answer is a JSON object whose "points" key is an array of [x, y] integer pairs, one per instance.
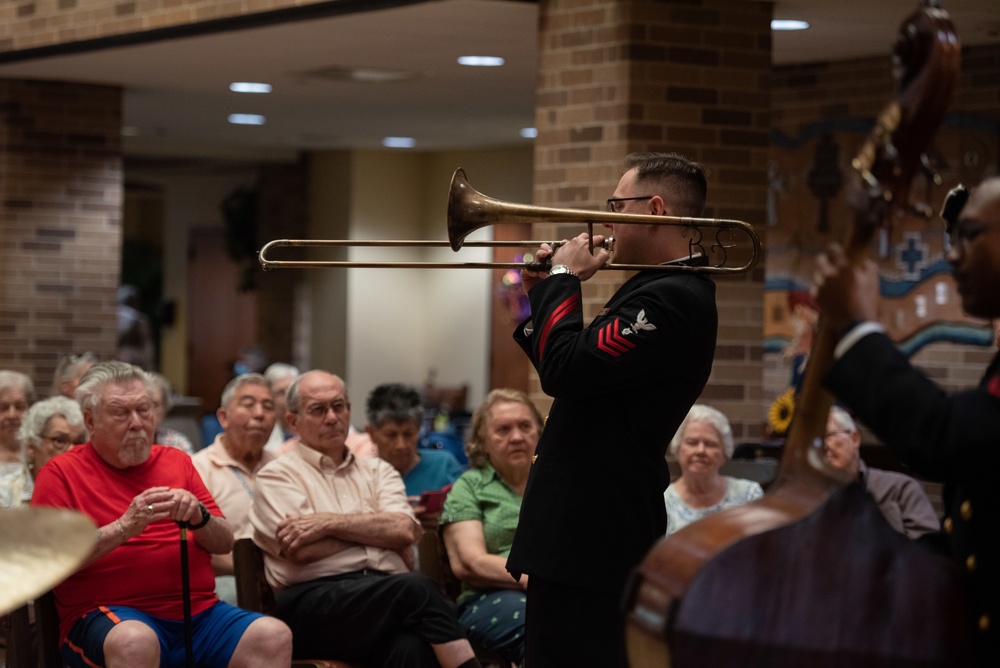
{"points": [[811, 575]]}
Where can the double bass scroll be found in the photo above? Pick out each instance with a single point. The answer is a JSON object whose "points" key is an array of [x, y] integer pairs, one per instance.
{"points": [[788, 580]]}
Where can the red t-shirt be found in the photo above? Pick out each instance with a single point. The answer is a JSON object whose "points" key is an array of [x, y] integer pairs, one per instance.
{"points": [[145, 572]]}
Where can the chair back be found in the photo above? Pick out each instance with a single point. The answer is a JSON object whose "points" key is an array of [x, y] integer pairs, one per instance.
{"points": [[255, 594], [252, 589], [38, 646]]}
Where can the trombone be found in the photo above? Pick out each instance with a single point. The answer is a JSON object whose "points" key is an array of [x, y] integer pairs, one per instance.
{"points": [[470, 210]]}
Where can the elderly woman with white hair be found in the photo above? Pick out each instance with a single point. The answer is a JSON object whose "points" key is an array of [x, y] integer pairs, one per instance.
{"points": [[17, 392], [50, 428], [68, 372], [702, 444]]}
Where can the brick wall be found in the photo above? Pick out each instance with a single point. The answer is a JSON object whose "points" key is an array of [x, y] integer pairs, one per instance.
{"points": [[60, 223], [39, 23], [618, 76]]}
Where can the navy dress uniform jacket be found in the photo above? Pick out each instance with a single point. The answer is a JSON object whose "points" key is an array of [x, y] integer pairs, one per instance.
{"points": [[593, 505], [951, 438]]}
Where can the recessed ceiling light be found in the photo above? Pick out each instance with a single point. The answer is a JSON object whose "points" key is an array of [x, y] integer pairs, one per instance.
{"points": [[789, 24], [246, 119], [249, 87], [529, 133], [481, 61], [399, 142]]}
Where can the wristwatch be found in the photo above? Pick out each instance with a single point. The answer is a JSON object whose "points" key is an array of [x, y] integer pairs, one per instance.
{"points": [[205, 517], [561, 269]]}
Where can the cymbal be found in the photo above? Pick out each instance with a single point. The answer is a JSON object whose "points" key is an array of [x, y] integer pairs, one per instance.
{"points": [[39, 548]]}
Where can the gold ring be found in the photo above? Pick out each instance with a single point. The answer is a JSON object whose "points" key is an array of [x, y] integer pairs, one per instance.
{"points": [[149, 509]]}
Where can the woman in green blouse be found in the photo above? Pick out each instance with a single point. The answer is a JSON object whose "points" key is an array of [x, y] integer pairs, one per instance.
{"points": [[480, 516]]}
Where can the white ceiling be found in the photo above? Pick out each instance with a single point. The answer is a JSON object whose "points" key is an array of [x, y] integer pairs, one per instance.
{"points": [[177, 97]]}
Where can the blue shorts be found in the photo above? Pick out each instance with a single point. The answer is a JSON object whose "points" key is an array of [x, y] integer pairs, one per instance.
{"points": [[215, 632]]}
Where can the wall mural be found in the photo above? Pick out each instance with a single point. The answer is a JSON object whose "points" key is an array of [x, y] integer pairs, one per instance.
{"points": [[807, 209]]}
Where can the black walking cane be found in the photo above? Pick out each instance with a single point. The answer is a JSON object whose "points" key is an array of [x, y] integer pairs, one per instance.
{"points": [[186, 585]]}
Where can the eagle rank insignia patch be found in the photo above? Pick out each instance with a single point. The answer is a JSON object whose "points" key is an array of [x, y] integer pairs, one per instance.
{"points": [[640, 324]]}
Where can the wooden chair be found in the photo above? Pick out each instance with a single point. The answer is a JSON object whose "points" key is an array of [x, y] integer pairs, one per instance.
{"points": [[31, 649], [254, 593], [452, 587], [19, 650]]}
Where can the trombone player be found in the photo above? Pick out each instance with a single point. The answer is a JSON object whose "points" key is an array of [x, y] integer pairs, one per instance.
{"points": [[622, 384]]}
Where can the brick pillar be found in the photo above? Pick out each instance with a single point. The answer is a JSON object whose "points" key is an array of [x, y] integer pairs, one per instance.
{"points": [[60, 223], [618, 76]]}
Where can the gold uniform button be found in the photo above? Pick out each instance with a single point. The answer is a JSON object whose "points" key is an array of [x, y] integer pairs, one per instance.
{"points": [[966, 510], [948, 528], [970, 563], [984, 623], [534, 458]]}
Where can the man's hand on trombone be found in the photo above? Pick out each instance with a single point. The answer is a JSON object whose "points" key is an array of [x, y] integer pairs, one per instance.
{"points": [[574, 253]]}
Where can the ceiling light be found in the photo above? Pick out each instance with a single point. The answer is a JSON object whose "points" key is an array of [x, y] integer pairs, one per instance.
{"points": [[789, 24], [249, 87], [481, 61], [529, 133], [399, 142], [246, 119]]}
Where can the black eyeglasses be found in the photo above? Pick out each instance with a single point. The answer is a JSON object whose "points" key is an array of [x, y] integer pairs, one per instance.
{"points": [[613, 202], [61, 442]]}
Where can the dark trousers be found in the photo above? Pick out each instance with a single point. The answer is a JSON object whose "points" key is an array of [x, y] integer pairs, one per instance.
{"points": [[369, 618], [571, 626]]}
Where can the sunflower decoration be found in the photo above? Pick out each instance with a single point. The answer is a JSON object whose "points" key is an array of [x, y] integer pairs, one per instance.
{"points": [[779, 416]]}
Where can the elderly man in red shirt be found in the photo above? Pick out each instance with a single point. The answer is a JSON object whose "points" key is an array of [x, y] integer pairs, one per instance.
{"points": [[124, 607]]}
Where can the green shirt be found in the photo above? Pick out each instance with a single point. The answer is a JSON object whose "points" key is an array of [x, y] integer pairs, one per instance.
{"points": [[482, 495]]}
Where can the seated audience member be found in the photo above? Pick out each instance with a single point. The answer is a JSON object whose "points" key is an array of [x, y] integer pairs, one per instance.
{"points": [[124, 606], [901, 499], [162, 396], [280, 376], [69, 370], [251, 360], [16, 393], [394, 413], [702, 444], [480, 516], [337, 533], [229, 466], [50, 428]]}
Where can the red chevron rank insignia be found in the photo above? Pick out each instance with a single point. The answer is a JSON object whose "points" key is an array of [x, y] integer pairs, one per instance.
{"points": [[993, 386], [611, 341]]}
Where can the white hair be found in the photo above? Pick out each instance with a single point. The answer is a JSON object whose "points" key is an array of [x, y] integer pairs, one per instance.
{"points": [[714, 417], [35, 420], [842, 419]]}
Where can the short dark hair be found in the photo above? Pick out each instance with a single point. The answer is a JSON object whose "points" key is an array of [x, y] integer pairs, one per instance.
{"points": [[393, 402], [686, 181]]}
